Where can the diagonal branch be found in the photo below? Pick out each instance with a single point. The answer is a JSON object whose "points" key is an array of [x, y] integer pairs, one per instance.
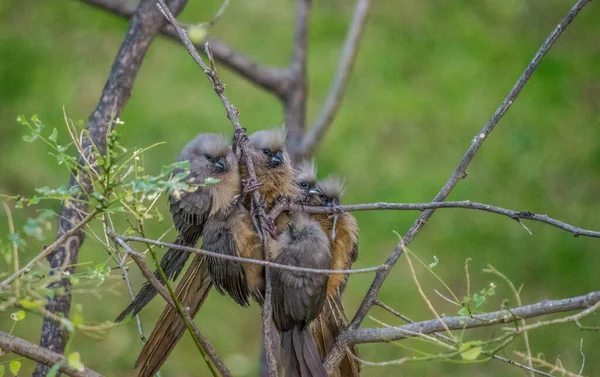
{"points": [[9, 343], [458, 174], [386, 334], [338, 87], [270, 78], [144, 25]]}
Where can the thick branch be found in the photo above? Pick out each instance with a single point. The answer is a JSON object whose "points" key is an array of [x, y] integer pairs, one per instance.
{"points": [[270, 78], [387, 334], [461, 170], [9, 343], [295, 99], [338, 88], [144, 25]]}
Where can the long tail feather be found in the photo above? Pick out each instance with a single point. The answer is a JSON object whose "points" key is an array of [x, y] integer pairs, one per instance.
{"points": [[191, 292], [301, 358]]}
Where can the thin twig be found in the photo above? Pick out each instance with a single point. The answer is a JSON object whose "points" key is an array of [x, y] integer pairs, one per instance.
{"points": [[15, 249], [582, 357], [9, 343], [248, 260], [545, 364], [59, 241], [338, 87]]}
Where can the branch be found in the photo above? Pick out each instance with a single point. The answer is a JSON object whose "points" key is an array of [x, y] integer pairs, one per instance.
{"points": [[9, 343], [387, 334], [248, 260], [465, 204], [295, 99], [241, 140], [270, 78], [145, 24], [185, 316], [458, 174], [338, 87]]}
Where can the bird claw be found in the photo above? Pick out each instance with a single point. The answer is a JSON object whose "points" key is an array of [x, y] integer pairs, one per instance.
{"points": [[250, 185], [256, 207], [269, 226], [239, 136]]}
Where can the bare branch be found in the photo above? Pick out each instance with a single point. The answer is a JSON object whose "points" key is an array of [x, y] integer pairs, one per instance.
{"points": [[9, 343], [249, 260], [458, 174], [270, 78], [386, 334], [338, 87], [199, 337], [465, 204], [144, 25], [295, 99]]}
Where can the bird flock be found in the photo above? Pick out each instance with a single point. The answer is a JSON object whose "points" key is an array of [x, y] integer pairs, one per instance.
{"points": [[307, 307]]}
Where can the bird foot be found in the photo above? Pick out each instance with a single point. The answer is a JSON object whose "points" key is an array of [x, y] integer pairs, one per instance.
{"points": [[250, 185]]}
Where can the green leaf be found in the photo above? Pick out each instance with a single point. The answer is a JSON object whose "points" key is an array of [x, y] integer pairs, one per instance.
{"points": [[14, 367], [17, 316], [464, 311], [2, 370], [434, 263], [28, 304], [211, 181], [74, 361], [53, 136], [470, 350], [53, 372]]}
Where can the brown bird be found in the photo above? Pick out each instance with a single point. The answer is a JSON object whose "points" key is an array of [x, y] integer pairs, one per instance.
{"points": [[344, 247], [228, 232], [209, 156], [298, 296], [273, 170]]}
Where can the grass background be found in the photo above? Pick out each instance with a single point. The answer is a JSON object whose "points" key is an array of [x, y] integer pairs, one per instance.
{"points": [[428, 76]]}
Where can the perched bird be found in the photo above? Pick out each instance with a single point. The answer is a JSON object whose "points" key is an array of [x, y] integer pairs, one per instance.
{"points": [[298, 296], [209, 156], [305, 178], [274, 171], [342, 230]]}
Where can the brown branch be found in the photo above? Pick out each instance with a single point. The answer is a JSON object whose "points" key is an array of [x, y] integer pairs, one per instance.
{"points": [[248, 260], [9, 343], [458, 174], [295, 99], [338, 87], [387, 334], [270, 78], [144, 25], [464, 204], [242, 144], [185, 316]]}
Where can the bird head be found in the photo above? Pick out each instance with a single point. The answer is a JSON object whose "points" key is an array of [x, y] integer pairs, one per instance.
{"points": [[268, 149], [210, 156]]}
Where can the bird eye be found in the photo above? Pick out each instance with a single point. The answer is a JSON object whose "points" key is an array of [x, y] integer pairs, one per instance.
{"points": [[267, 152], [208, 157], [304, 184]]}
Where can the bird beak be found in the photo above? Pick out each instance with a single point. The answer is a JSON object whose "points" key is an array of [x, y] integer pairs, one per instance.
{"points": [[314, 191], [291, 226], [277, 159], [221, 164]]}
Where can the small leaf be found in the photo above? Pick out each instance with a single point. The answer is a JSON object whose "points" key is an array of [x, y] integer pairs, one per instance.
{"points": [[197, 33], [434, 263], [211, 181], [470, 351], [2, 370], [28, 304], [464, 311], [17, 316], [14, 367], [53, 136], [53, 372], [74, 361]]}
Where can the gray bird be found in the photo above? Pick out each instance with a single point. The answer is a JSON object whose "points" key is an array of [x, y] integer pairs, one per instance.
{"points": [[298, 297], [209, 156]]}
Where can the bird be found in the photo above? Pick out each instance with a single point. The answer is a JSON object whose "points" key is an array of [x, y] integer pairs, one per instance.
{"points": [[298, 296], [273, 169], [344, 247], [209, 156]]}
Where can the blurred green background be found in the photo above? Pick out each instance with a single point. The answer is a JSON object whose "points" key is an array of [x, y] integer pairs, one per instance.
{"points": [[428, 76]]}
